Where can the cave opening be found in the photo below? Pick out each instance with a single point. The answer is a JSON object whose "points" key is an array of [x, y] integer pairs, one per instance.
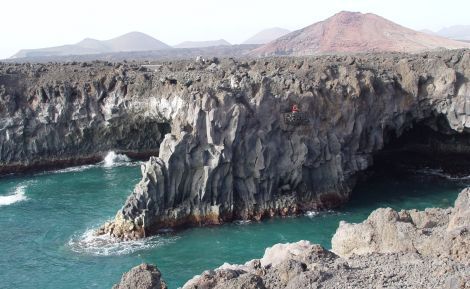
{"points": [[426, 145], [427, 155]]}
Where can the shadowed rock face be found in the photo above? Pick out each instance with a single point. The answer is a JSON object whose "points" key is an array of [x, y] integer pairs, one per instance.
{"points": [[58, 115], [230, 153]]}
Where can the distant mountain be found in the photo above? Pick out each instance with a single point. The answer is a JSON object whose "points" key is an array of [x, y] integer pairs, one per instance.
{"points": [[266, 36], [458, 32], [428, 31], [200, 44], [133, 41], [351, 32]]}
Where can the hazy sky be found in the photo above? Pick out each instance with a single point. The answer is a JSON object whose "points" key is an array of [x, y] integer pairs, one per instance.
{"points": [[43, 23]]}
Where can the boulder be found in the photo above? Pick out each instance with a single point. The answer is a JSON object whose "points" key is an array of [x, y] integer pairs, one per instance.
{"points": [[143, 276]]}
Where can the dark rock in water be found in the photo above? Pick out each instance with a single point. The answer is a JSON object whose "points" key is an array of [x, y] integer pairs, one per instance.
{"points": [[144, 276]]}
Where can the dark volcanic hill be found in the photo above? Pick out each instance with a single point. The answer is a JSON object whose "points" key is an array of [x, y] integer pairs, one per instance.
{"points": [[352, 32], [133, 41]]}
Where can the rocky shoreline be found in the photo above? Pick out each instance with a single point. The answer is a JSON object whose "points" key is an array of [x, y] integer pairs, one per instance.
{"points": [[405, 249]]}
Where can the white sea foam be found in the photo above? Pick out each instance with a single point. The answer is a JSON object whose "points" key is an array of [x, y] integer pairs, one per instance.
{"points": [[112, 159], [73, 169], [106, 245], [442, 174], [313, 214], [242, 222], [17, 196]]}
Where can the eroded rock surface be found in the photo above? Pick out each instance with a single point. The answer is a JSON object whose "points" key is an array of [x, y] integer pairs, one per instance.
{"points": [[315, 267], [432, 232]]}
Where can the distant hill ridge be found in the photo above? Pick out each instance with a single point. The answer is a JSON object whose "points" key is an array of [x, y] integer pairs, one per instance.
{"points": [[133, 41], [266, 36], [458, 32], [352, 32], [344, 32], [200, 44]]}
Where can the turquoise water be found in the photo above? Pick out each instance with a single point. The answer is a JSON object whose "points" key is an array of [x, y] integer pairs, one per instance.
{"points": [[46, 220]]}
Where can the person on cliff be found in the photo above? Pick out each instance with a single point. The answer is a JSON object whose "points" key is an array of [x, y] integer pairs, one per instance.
{"points": [[295, 108]]}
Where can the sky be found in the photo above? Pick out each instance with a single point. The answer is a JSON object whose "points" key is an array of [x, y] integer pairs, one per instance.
{"points": [[45, 23]]}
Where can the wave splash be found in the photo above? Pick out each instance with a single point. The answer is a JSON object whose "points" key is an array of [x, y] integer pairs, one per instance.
{"points": [[112, 159], [442, 174], [323, 213], [17, 196], [106, 245]]}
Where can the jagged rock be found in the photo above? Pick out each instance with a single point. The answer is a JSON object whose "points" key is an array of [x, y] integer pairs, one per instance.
{"points": [[144, 276], [433, 232]]}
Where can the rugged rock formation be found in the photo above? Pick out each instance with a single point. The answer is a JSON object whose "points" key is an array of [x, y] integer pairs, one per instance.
{"points": [[303, 265], [144, 276], [433, 232], [234, 151], [353, 32], [384, 263], [232, 155]]}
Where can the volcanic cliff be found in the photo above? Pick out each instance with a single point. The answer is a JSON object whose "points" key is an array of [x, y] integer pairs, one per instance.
{"points": [[228, 145]]}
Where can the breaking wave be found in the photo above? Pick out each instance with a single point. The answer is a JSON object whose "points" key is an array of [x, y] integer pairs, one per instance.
{"points": [[113, 159], [323, 213], [110, 161], [106, 245], [17, 196]]}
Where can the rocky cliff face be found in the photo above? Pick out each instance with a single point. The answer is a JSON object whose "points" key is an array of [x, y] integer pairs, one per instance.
{"points": [[381, 252], [233, 151], [55, 115]]}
